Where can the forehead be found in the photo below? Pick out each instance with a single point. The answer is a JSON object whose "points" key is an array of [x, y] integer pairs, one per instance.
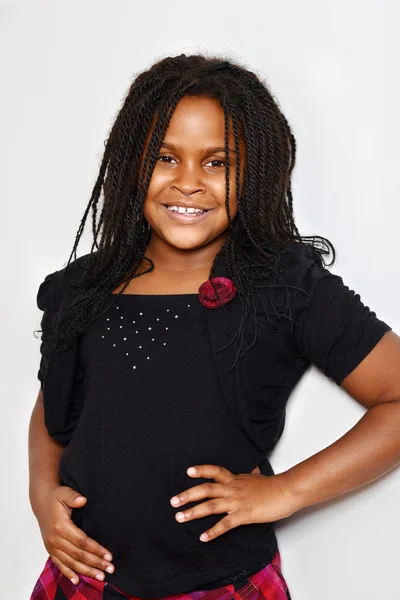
{"points": [[197, 118], [198, 123]]}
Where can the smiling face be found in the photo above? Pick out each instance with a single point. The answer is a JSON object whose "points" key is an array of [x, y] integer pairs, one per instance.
{"points": [[185, 203]]}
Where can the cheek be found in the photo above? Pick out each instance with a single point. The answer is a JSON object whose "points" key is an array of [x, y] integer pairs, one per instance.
{"points": [[158, 182], [217, 185]]}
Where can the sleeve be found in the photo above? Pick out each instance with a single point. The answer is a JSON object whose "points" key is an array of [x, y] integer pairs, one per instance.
{"points": [[44, 303], [59, 373], [334, 329]]}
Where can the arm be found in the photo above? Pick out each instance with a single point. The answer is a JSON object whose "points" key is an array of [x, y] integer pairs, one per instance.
{"points": [[369, 449], [44, 457], [70, 549]]}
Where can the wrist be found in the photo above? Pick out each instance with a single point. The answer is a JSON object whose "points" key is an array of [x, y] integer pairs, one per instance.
{"points": [[38, 492], [291, 490]]}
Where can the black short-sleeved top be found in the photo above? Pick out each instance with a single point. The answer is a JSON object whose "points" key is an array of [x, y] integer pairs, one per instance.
{"points": [[151, 405], [153, 408]]}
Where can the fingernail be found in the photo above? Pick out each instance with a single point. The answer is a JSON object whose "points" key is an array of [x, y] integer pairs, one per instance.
{"points": [[107, 556], [175, 500], [191, 471], [100, 576], [110, 569]]}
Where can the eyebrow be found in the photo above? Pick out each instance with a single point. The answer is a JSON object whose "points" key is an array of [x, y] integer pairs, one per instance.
{"points": [[177, 148]]}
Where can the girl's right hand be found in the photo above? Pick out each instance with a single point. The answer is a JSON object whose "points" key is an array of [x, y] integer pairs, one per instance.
{"points": [[71, 550]]}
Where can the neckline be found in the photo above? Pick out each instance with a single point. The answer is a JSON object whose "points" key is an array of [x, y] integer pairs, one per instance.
{"points": [[156, 295]]}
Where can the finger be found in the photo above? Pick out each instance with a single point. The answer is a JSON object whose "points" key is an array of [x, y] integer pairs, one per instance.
{"points": [[65, 570], [256, 471], [81, 540], [229, 522], [212, 507], [77, 566], [199, 492], [216, 472], [81, 555]]}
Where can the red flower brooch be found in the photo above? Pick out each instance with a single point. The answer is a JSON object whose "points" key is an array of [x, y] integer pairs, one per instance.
{"points": [[225, 292]]}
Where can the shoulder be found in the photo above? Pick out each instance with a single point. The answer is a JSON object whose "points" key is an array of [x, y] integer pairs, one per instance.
{"points": [[293, 275], [55, 284], [296, 260], [74, 271], [298, 268]]}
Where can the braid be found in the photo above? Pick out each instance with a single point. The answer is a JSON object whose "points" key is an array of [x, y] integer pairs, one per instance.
{"points": [[264, 223]]}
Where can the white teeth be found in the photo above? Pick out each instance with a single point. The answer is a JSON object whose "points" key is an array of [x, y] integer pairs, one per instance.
{"points": [[182, 210]]}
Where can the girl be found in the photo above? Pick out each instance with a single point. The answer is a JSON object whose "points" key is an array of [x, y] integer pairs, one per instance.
{"points": [[170, 350]]}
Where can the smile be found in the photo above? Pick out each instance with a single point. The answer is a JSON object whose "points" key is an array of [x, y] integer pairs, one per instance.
{"points": [[185, 211], [186, 215]]}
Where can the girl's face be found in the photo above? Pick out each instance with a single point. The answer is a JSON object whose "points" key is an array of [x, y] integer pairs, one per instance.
{"points": [[185, 203]]}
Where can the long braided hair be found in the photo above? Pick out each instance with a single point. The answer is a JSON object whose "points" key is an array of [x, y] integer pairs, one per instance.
{"points": [[264, 222]]}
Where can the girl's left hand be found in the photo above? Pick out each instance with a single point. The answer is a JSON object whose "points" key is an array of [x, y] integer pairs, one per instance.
{"points": [[247, 498]]}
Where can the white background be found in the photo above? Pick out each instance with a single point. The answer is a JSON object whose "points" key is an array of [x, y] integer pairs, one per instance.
{"points": [[334, 68]]}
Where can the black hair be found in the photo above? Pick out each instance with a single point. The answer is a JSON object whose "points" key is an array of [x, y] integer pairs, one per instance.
{"points": [[264, 223]]}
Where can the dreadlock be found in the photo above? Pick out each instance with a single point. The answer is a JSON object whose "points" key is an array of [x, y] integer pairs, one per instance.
{"points": [[264, 222]]}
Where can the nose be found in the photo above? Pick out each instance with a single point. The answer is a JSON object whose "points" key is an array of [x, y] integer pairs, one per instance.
{"points": [[188, 180]]}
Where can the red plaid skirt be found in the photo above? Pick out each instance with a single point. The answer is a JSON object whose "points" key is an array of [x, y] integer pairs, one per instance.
{"points": [[267, 584]]}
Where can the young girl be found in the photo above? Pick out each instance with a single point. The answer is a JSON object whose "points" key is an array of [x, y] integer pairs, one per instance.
{"points": [[170, 350]]}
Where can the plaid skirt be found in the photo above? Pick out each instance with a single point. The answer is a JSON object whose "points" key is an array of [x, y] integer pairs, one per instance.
{"points": [[267, 584]]}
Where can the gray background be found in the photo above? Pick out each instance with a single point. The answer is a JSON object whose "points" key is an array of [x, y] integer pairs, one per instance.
{"points": [[334, 69]]}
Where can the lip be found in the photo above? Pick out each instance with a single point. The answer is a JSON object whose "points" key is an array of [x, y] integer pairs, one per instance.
{"points": [[187, 219], [186, 205]]}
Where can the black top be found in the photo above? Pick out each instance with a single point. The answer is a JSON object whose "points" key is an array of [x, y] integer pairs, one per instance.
{"points": [[136, 414], [152, 409]]}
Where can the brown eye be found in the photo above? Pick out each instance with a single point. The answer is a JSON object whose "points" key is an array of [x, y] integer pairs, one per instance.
{"points": [[165, 158], [218, 163]]}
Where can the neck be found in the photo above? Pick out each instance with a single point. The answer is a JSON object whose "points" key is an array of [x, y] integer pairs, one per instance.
{"points": [[169, 258]]}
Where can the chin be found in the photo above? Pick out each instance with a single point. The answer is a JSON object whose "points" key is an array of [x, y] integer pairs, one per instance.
{"points": [[180, 244]]}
